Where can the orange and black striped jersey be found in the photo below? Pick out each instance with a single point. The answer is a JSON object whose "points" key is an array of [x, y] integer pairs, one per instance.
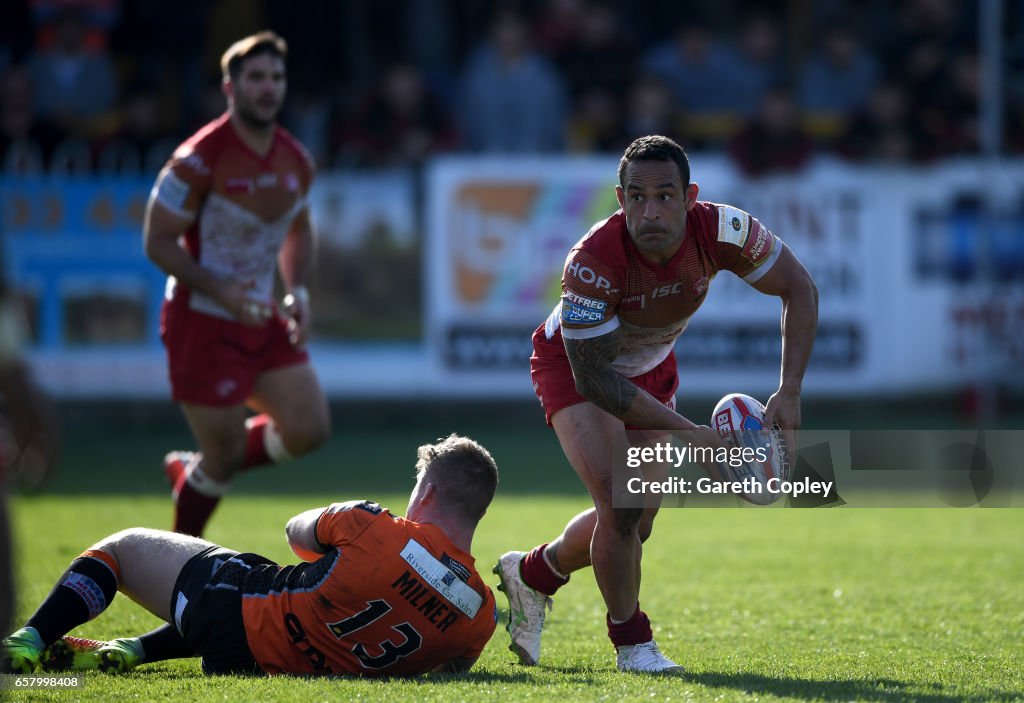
{"points": [[607, 284], [390, 598]]}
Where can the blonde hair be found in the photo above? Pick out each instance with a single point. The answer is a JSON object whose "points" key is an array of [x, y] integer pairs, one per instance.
{"points": [[463, 471]]}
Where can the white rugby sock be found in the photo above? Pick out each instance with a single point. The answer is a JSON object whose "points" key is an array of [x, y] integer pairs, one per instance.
{"points": [[274, 445], [203, 484]]}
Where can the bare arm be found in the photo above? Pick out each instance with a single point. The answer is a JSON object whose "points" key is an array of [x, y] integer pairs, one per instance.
{"points": [[296, 257], [301, 534], [295, 262], [599, 383], [160, 234], [790, 281]]}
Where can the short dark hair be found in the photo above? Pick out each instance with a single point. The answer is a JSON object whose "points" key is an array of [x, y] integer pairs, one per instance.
{"points": [[655, 148], [266, 42], [463, 471]]}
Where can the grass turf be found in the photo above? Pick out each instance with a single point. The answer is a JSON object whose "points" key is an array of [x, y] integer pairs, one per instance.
{"points": [[759, 604], [871, 605]]}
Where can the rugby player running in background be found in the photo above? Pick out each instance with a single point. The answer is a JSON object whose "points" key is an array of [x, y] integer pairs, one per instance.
{"points": [[226, 212], [603, 362]]}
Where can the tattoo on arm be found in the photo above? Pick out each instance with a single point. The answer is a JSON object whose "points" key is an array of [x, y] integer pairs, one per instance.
{"points": [[595, 379]]}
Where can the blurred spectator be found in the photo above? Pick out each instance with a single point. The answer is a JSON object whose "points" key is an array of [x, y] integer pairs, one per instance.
{"points": [[399, 123], [74, 87], [211, 104], [307, 115], [924, 78], [15, 34], [836, 81], [649, 109], [559, 26], [774, 140], [882, 129], [952, 25], [700, 72], [163, 45], [963, 98], [512, 100], [141, 142], [695, 66], [599, 56], [26, 142], [98, 18], [596, 123], [759, 63]]}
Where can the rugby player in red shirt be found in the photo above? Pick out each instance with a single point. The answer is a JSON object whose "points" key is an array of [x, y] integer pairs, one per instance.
{"points": [[228, 212], [603, 363]]}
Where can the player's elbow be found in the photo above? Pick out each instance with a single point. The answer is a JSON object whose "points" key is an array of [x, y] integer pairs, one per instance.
{"points": [[154, 243], [803, 291], [810, 288], [148, 242], [811, 293], [591, 389]]}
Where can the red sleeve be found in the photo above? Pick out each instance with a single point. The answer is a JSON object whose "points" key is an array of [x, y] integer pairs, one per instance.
{"points": [[342, 523], [743, 245], [307, 165], [591, 283]]}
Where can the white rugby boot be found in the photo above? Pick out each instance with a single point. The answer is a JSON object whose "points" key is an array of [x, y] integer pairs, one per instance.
{"points": [[525, 608], [645, 658]]}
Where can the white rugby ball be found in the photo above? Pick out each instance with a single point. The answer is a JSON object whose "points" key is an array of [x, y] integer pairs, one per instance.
{"points": [[739, 420]]}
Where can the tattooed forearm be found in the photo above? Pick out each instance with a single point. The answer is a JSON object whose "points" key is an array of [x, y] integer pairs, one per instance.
{"points": [[595, 379]]}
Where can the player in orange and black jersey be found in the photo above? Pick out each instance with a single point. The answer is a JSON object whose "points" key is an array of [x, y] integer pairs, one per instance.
{"points": [[603, 363], [378, 594]]}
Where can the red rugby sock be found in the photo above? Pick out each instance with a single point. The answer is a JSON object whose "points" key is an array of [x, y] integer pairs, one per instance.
{"points": [[192, 507], [255, 448], [538, 575], [636, 630]]}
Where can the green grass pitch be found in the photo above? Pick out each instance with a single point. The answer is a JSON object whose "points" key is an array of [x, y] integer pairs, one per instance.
{"points": [[759, 604]]}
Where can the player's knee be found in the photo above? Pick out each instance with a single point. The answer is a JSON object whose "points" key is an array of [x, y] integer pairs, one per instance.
{"points": [[122, 543], [627, 520], [307, 437]]}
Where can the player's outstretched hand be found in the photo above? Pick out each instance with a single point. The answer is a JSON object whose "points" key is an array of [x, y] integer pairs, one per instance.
{"points": [[783, 409], [296, 306]]}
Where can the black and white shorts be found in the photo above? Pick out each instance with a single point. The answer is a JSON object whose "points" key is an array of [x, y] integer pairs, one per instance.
{"points": [[206, 605]]}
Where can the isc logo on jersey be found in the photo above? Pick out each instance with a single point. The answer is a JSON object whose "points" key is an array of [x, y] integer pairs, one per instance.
{"points": [[667, 289]]}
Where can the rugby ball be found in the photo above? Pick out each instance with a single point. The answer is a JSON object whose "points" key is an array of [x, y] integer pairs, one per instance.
{"points": [[739, 421]]}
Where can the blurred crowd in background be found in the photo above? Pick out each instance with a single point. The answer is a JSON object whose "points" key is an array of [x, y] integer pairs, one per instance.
{"points": [[112, 86]]}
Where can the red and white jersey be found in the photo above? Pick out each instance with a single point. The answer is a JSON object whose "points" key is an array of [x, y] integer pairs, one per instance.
{"points": [[607, 284], [241, 205]]}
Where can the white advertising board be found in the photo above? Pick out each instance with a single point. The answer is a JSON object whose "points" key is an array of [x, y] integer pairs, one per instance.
{"points": [[498, 231]]}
